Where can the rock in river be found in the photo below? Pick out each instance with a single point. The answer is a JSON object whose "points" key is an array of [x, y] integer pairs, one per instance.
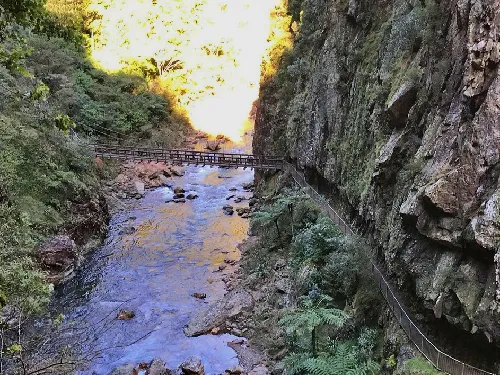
{"points": [[228, 210], [215, 315], [125, 315], [192, 366], [158, 367], [179, 190]]}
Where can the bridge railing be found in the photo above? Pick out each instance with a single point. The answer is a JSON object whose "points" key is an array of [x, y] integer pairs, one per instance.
{"points": [[442, 361], [187, 156]]}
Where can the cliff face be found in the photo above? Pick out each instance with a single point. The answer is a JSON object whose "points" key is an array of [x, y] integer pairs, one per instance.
{"points": [[393, 108]]}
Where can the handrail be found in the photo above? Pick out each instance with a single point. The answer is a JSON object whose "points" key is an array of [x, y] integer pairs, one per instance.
{"points": [[442, 361]]}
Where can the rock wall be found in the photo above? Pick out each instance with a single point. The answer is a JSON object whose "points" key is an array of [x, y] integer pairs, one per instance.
{"points": [[393, 108]]}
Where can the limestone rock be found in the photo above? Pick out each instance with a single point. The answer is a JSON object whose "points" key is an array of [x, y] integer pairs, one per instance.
{"points": [[400, 102], [484, 229], [179, 190], [125, 315], [192, 366], [139, 187], [58, 256], [124, 370], [215, 315], [158, 367]]}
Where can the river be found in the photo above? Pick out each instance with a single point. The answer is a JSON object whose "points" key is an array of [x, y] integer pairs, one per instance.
{"points": [[156, 255]]}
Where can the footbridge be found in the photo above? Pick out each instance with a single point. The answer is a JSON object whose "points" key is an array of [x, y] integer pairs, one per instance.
{"points": [[441, 360], [219, 159]]}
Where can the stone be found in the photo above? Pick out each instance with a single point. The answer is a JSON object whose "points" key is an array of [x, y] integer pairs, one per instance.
{"points": [[242, 210], [484, 229], [398, 106], [259, 370], [164, 180], [199, 295], [248, 186], [177, 171], [124, 370], [125, 315], [239, 198], [58, 255], [213, 145], [139, 187], [180, 200], [229, 307], [179, 196], [192, 196], [215, 331], [158, 367], [230, 197], [127, 230], [233, 188], [192, 366], [179, 190], [235, 370], [442, 194], [228, 210], [252, 202]]}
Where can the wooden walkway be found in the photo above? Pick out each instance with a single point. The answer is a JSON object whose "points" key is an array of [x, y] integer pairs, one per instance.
{"points": [[188, 157], [438, 358]]}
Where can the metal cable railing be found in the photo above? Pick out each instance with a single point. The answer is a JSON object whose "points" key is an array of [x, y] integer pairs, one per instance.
{"points": [[440, 360]]}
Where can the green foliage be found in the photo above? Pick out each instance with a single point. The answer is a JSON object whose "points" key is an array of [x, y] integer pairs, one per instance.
{"points": [[289, 212], [312, 314], [39, 92], [14, 348], [317, 240], [342, 359], [391, 362], [418, 366]]}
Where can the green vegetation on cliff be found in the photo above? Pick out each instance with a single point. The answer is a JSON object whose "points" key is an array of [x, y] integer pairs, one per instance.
{"points": [[49, 182], [320, 280]]}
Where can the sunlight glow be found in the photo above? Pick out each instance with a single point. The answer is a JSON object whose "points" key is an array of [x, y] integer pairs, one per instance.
{"points": [[208, 52]]}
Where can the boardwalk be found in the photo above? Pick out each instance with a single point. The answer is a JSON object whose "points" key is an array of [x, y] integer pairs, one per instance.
{"points": [[438, 358], [188, 157]]}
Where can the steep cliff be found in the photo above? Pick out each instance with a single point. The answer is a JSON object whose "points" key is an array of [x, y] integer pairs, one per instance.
{"points": [[392, 108]]}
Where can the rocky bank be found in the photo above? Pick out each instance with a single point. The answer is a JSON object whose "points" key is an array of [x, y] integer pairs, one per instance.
{"points": [[392, 110]]}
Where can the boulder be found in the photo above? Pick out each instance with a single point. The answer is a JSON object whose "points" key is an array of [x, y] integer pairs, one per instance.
{"points": [[213, 145], [230, 306], [124, 370], [228, 210], [192, 196], [179, 196], [235, 370], [242, 210], [164, 180], [127, 230], [399, 104], [179, 190], [158, 367], [125, 315], [192, 366], [58, 256], [139, 187]]}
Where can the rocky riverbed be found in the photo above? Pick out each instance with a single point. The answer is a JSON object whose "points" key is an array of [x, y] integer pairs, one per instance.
{"points": [[172, 250]]}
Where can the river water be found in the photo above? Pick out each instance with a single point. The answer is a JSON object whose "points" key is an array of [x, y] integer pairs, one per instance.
{"points": [[155, 257]]}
